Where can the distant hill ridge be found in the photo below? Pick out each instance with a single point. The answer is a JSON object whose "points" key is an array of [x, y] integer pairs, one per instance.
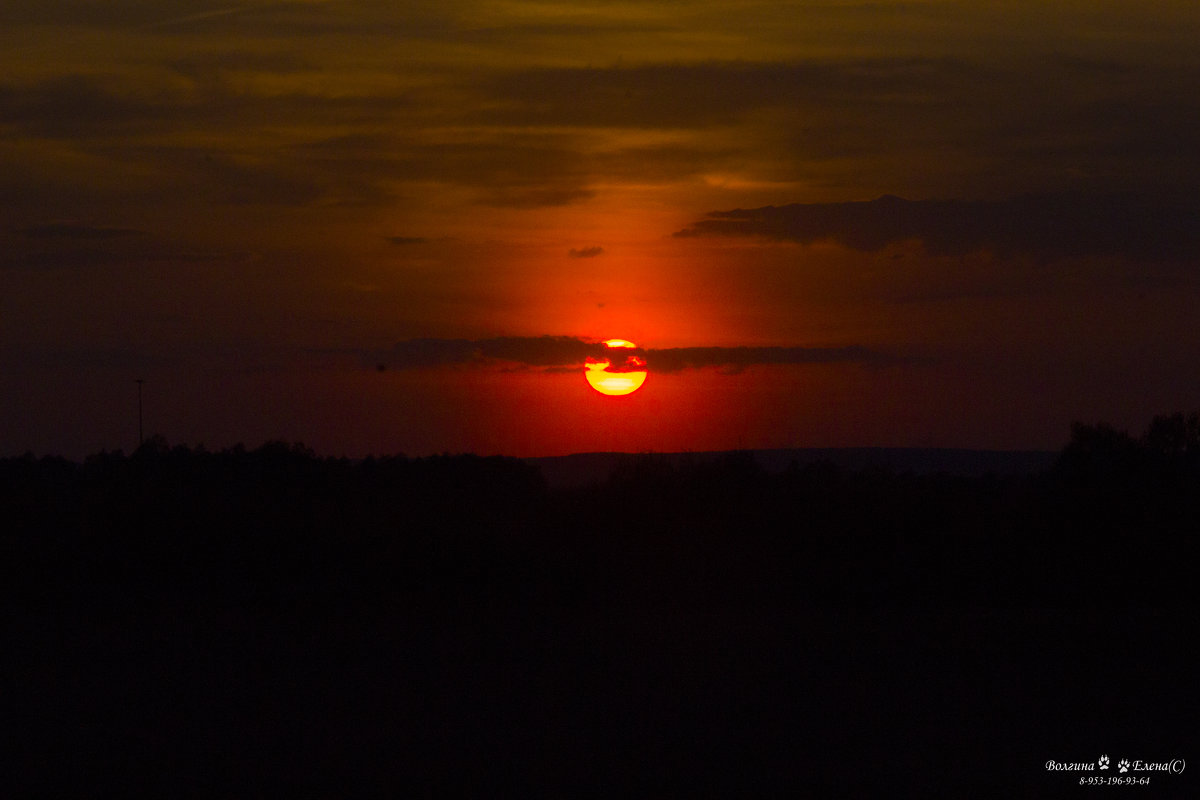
{"points": [[580, 469]]}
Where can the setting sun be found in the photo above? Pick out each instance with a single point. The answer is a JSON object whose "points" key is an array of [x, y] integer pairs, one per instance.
{"points": [[621, 378]]}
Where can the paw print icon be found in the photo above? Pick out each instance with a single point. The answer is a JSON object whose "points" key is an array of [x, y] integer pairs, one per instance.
{"points": [[1103, 761], [1123, 765]]}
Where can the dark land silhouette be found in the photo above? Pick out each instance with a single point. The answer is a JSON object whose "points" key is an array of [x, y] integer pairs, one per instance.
{"points": [[251, 622], [580, 469]]}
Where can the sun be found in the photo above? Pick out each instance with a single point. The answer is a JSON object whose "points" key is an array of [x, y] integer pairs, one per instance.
{"points": [[610, 378]]}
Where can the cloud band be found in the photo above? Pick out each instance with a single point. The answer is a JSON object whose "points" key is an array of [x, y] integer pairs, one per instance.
{"points": [[553, 353]]}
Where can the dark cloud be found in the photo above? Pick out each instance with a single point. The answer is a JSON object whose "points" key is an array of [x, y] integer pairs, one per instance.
{"points": [[65, 260], [536, 196], [130, 131], [75, 107], [403, 240], [63, 231], [922, 125], [561, 353], [208, 64], [934, 125], [711, 93], [119, 13], [1042, 226], [585, 252], [533, 351], [77, 247], [508, 170], [191, 16]]}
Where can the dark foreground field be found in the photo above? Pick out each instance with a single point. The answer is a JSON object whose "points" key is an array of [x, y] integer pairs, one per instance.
{"points": [[270, 623]]}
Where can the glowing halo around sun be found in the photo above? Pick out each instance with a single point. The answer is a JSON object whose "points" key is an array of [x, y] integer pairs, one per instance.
{"points": [[625, 377]]}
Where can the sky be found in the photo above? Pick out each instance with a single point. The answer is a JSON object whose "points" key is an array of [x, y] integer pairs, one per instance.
{"points": [[390, 227]]}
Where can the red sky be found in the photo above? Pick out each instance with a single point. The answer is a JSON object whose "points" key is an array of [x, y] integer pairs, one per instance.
{"points": [[961, 224]]}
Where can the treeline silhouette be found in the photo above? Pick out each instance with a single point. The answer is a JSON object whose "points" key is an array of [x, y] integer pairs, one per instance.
{"points": [[1112, 522], [245, 621]]}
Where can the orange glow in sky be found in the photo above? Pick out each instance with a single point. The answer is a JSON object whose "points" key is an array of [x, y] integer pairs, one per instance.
{"points": [[292, 228]]}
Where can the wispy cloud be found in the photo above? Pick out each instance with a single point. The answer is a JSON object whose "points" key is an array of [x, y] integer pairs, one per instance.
{"points": [[585, 252], [203, 15]]}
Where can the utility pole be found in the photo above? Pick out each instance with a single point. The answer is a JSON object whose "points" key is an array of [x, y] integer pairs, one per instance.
{"points": [[139, 382]]}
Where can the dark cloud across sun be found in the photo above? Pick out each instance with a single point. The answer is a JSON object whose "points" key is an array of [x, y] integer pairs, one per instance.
{"points": [[569, 352]]}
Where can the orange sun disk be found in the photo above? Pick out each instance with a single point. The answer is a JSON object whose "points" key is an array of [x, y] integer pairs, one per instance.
{"points": [[625, 378]]}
